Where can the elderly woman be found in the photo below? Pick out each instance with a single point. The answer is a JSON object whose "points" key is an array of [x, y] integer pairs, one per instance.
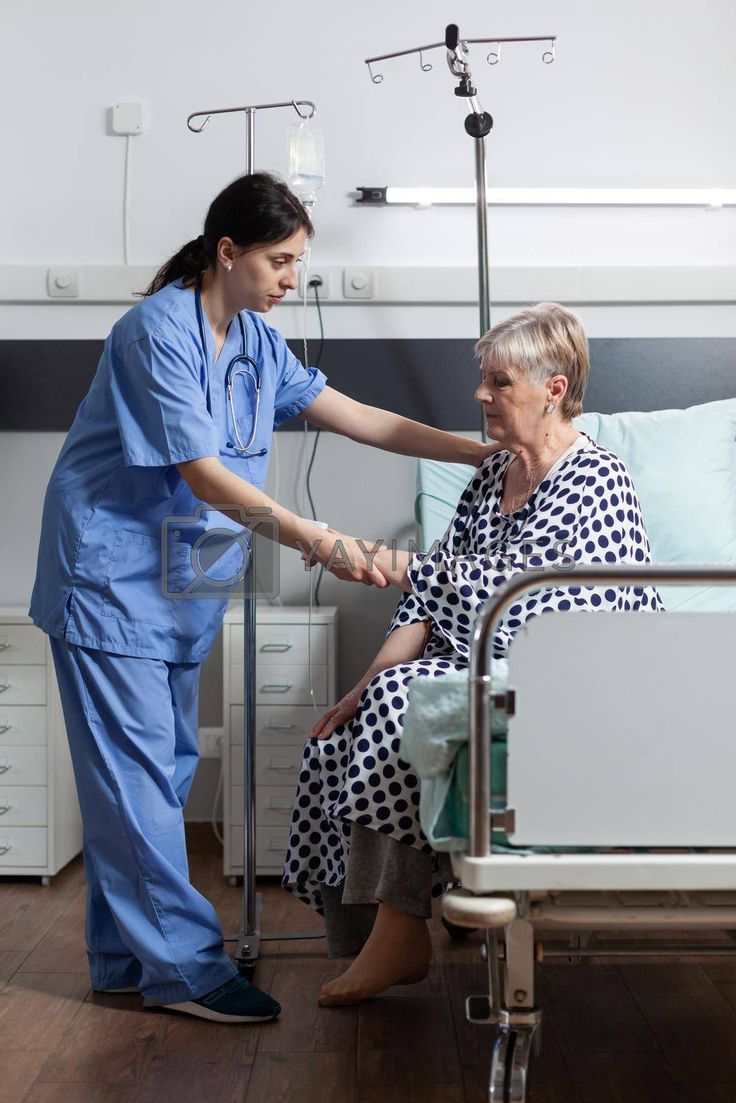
{"points": [[550, 496]]}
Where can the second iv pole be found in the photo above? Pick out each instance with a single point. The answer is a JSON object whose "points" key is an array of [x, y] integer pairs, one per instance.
{"points": [[478, 125]]}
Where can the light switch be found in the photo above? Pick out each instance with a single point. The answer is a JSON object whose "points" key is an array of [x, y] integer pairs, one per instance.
{"points": [[358, 283]]}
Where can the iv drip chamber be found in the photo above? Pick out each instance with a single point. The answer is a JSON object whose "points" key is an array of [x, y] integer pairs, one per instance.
{"points": [[306, 160]]}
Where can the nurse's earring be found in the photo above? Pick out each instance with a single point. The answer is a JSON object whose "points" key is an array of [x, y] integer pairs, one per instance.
{"points": [[229, 266], [550, 407]]}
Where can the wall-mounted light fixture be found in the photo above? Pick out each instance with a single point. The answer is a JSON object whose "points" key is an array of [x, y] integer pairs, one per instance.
{"points": [[708, 198]]}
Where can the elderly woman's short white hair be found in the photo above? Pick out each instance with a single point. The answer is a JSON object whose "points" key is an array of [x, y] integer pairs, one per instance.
{"points": [[542, 341]]}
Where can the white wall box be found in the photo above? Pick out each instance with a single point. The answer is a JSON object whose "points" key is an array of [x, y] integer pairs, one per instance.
{"points": [[40, 822], [285, 714]]}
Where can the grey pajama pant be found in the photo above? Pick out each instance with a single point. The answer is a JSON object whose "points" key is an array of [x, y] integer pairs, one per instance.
{"points": [[378, 870]]}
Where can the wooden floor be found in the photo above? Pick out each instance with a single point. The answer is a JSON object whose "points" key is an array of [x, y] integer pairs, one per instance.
{"points": [[660, 1033]]}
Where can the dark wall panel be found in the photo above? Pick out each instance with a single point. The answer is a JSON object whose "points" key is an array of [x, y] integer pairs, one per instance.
{"points": [[659, 373], [43, 382]]}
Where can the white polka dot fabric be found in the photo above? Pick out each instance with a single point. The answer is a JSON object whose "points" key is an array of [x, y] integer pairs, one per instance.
{"points": [[584, 511]]}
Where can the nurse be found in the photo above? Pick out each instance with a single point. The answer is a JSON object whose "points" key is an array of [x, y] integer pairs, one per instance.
{"points": [[172, 441]]}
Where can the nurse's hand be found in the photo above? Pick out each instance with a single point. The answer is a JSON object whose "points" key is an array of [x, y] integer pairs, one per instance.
{"points": [[347, 558], [486, 450]]}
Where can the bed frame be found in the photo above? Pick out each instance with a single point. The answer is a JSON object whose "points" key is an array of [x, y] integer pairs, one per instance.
{"points": [[620, 747]]}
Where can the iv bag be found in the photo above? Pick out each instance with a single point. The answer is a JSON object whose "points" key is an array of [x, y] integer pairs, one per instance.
{"points": [[306, 160]]}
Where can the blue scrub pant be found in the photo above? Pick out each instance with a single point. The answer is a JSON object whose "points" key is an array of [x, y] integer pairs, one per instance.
{"points": [[132, 728]]}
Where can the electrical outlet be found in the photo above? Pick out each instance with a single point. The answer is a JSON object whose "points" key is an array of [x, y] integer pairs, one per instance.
{"points": [[323, 289]]}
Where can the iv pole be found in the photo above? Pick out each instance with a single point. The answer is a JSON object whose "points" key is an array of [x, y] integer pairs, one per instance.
{"points": [[250, 936], [250, 122], [478, 124]]}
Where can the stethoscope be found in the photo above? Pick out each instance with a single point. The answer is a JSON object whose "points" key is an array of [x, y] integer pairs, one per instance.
{"points": [[241, 365]]}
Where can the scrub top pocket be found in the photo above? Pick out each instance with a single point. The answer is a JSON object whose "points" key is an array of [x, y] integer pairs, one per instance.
{"points": [[134, 586]]}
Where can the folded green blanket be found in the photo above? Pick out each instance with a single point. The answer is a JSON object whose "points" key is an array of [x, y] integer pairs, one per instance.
{"points": [[434, 740]]}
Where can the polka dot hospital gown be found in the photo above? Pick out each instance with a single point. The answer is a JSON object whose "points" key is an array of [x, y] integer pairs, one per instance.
{"points": [[584, 510]]}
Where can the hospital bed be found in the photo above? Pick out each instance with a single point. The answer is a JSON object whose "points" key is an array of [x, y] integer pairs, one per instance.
{"points": [[620, 760], [620, 763]]}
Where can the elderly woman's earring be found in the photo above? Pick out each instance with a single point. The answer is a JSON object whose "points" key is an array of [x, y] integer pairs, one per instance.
{"points": [[550, 407]]}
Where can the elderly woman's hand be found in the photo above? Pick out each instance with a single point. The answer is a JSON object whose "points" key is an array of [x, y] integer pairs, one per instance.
{"points": [[393, 564], [340, 713]]}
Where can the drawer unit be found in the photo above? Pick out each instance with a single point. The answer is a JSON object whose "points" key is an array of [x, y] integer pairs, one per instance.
{"points": [[274, 805], [274, 765], [287, 642], [40, 822], [23, 725], [285, 683], [271, 844], [276, 724], [23, 846], [285, 714], [22, 765], [22, 685], [21, 643], [22, 806]]}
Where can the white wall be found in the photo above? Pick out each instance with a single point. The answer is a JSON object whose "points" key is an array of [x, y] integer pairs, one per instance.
{"points": [[641, 94]]}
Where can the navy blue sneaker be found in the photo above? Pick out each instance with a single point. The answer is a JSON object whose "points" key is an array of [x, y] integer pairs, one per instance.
{"points": [[116, 991], [236, 1001]]}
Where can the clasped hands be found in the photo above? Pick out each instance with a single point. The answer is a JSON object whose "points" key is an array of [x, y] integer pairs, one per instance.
{"points": [[355, 560]]}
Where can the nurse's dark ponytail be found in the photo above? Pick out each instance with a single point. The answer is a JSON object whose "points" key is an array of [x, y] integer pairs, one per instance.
{"points": [[254, 210]]}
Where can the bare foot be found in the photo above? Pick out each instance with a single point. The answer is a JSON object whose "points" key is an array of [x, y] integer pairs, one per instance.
{"points": [[398, 951]]}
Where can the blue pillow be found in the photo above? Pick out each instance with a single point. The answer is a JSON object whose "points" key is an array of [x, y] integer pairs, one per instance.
{"points": [[439, 486], [683, 464]]}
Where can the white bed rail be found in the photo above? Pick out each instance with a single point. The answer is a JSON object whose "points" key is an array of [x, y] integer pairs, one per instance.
{"points": [[481, 698]]}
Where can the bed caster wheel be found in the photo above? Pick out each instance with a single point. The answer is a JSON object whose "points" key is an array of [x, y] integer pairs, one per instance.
{"points": [[510, 1065], [457, 934]]}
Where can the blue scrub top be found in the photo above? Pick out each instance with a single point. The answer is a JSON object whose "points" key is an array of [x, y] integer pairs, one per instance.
{"points": [[114, 570]]}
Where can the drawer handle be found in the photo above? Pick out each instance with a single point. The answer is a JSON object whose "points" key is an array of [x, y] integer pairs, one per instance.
{"points": [[271, 727], [278, 807], [5, 727], [277, 687], [4, 808], [5, 645], [289, 769], [4, 686], [276, 849], [5, 847], [278, 647], [5, 766]]}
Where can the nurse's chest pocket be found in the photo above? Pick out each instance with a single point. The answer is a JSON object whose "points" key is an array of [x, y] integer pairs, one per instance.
{"points": [[134, 585], [251, 468]]}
